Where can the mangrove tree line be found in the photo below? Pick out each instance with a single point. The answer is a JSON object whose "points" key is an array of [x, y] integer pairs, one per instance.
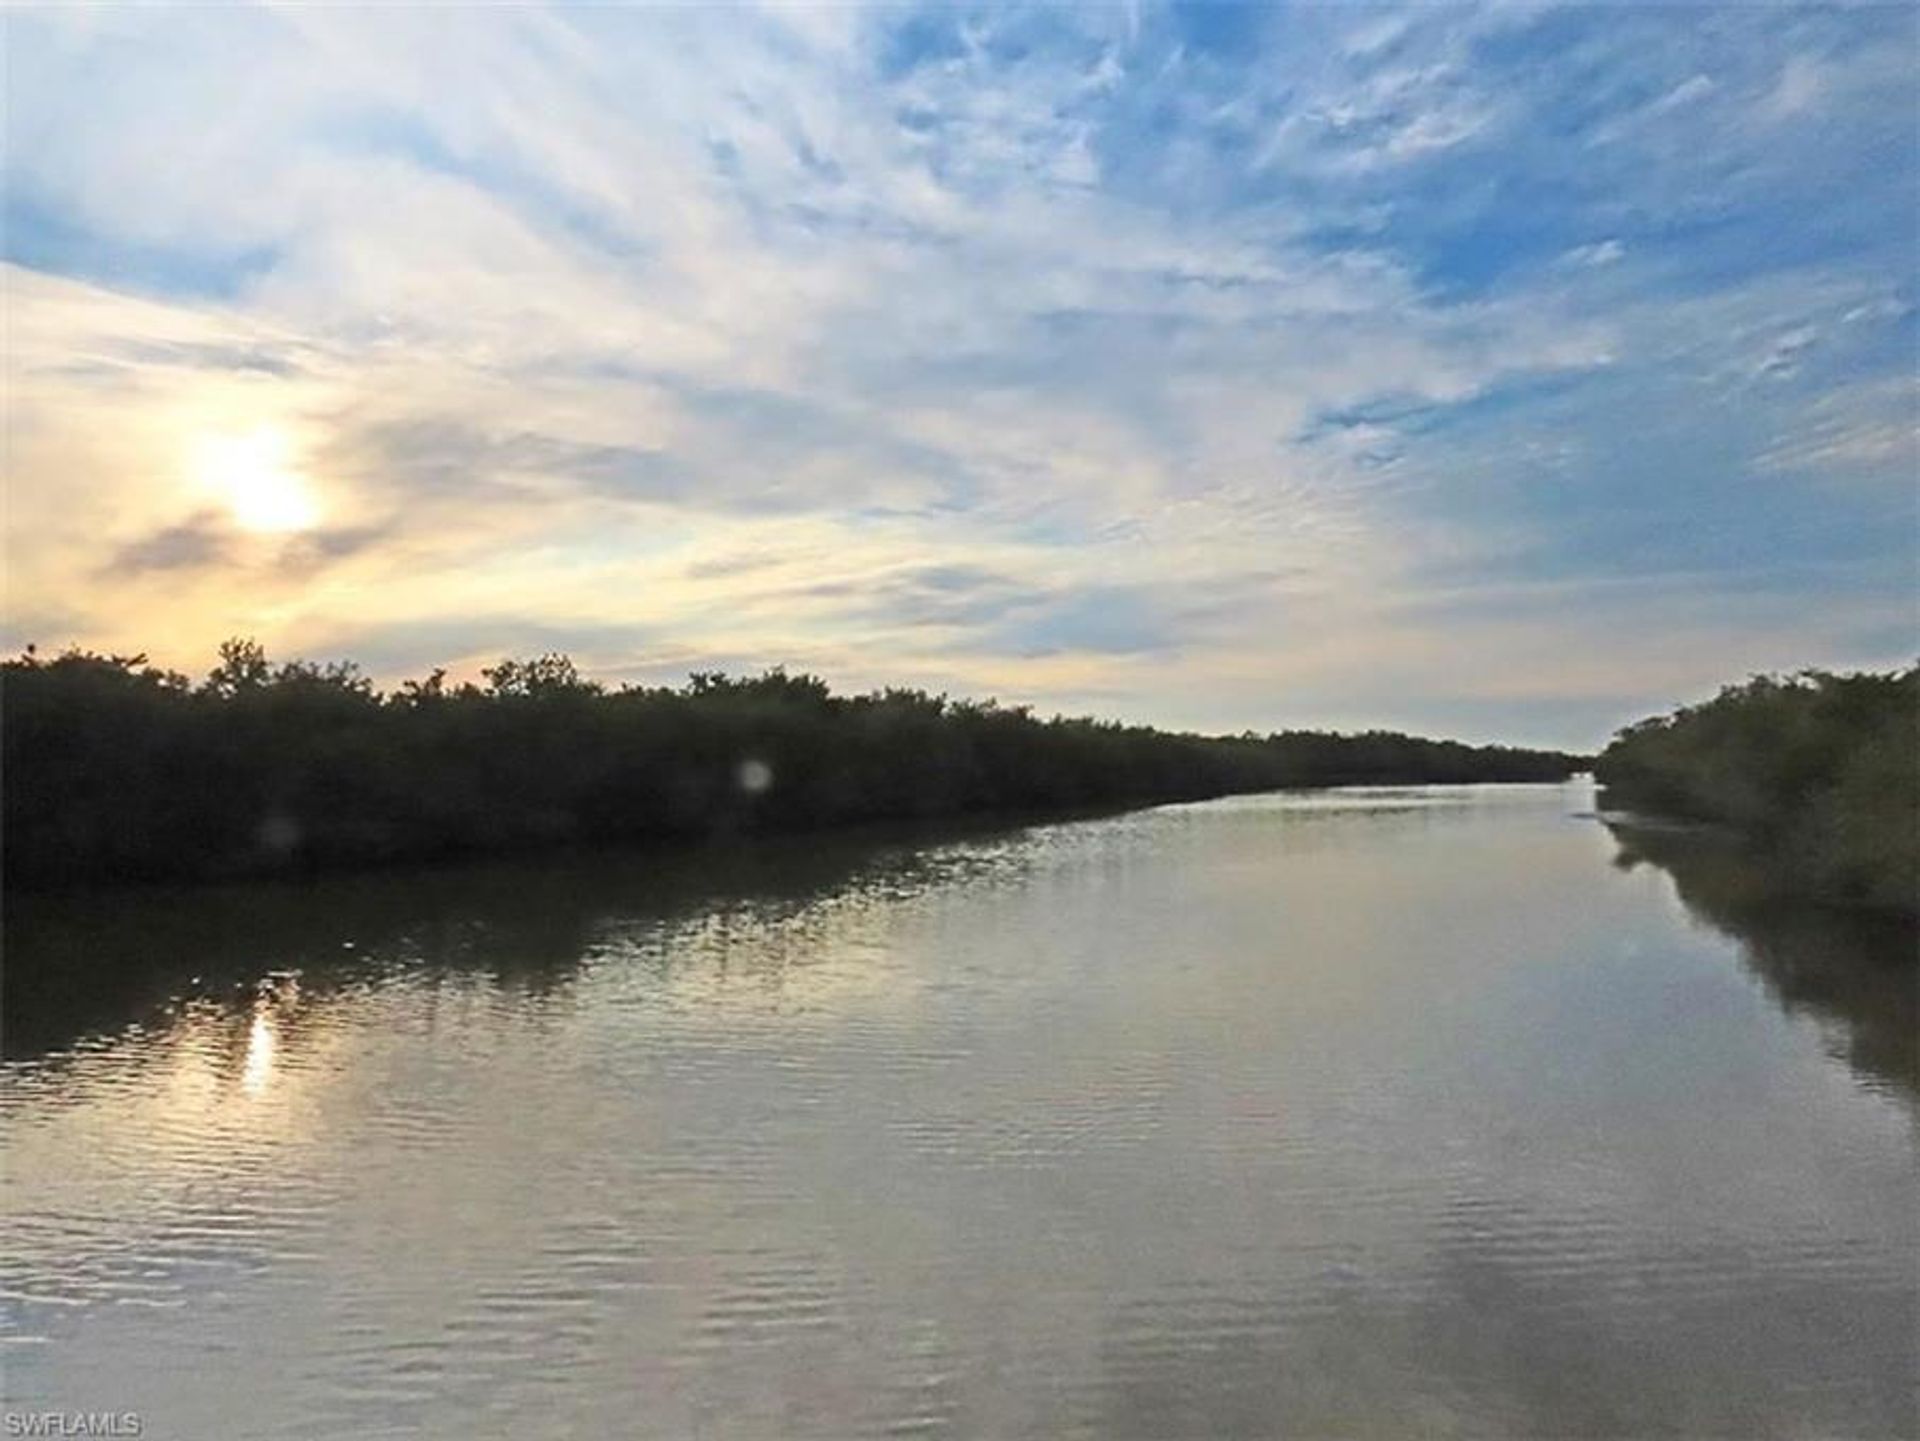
{"points": [[1820, 772], [116, 769]]}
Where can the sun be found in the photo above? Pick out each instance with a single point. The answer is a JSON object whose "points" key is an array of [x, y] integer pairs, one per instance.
{"points": [[253, 474]]}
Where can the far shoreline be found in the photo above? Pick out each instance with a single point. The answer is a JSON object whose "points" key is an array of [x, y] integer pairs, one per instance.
{"points": [[120, 771]]}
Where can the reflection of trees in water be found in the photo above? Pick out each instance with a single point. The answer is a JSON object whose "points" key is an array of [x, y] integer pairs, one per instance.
{"points": [[81, 964], [91, 963], [1855, 971]]}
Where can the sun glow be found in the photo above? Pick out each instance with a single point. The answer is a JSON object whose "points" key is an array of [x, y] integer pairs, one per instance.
{"points": [[254, 476]]}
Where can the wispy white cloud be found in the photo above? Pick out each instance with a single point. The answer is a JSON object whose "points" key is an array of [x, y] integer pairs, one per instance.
{"points": [[1870, 428], [1600, 252]]}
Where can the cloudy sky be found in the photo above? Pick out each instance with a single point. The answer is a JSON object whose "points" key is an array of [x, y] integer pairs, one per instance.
{"points": [[1505, 372]]}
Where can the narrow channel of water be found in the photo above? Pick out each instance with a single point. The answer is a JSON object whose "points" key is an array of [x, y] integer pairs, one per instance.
{"points": [[1437, 1111]]}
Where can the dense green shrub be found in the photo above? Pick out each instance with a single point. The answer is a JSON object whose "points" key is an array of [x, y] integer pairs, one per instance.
{"points": [[116, 770], [1820, 771]]}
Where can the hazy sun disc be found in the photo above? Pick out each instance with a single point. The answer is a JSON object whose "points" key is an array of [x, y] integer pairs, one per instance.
{"points": [[253, 475]]}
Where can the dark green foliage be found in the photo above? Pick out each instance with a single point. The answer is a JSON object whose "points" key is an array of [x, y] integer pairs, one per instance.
{"points": [[1820, 771], [114, 770]]}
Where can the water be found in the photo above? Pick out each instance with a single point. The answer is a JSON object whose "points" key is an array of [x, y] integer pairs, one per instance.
{"points": [[1368, 1114]]}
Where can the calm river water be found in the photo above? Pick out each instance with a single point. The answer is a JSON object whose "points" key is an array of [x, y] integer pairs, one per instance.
{"points": [[1369, 1113]]}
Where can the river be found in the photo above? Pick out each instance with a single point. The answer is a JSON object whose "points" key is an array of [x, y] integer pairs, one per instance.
{"points": [[1447, 1111]]}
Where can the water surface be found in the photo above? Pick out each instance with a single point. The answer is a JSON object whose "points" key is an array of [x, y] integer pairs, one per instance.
{"points": [[1418, 1112]]}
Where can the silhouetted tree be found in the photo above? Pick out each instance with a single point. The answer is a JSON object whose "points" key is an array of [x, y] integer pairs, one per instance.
{"points": [[243, 666], [117, 770]]}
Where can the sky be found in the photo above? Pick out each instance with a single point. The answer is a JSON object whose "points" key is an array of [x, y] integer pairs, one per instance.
{"points": [[1508, 372]]}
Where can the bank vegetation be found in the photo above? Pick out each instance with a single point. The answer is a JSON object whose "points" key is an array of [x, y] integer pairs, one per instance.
{"points": [[1818, 773], [115, 769]]}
